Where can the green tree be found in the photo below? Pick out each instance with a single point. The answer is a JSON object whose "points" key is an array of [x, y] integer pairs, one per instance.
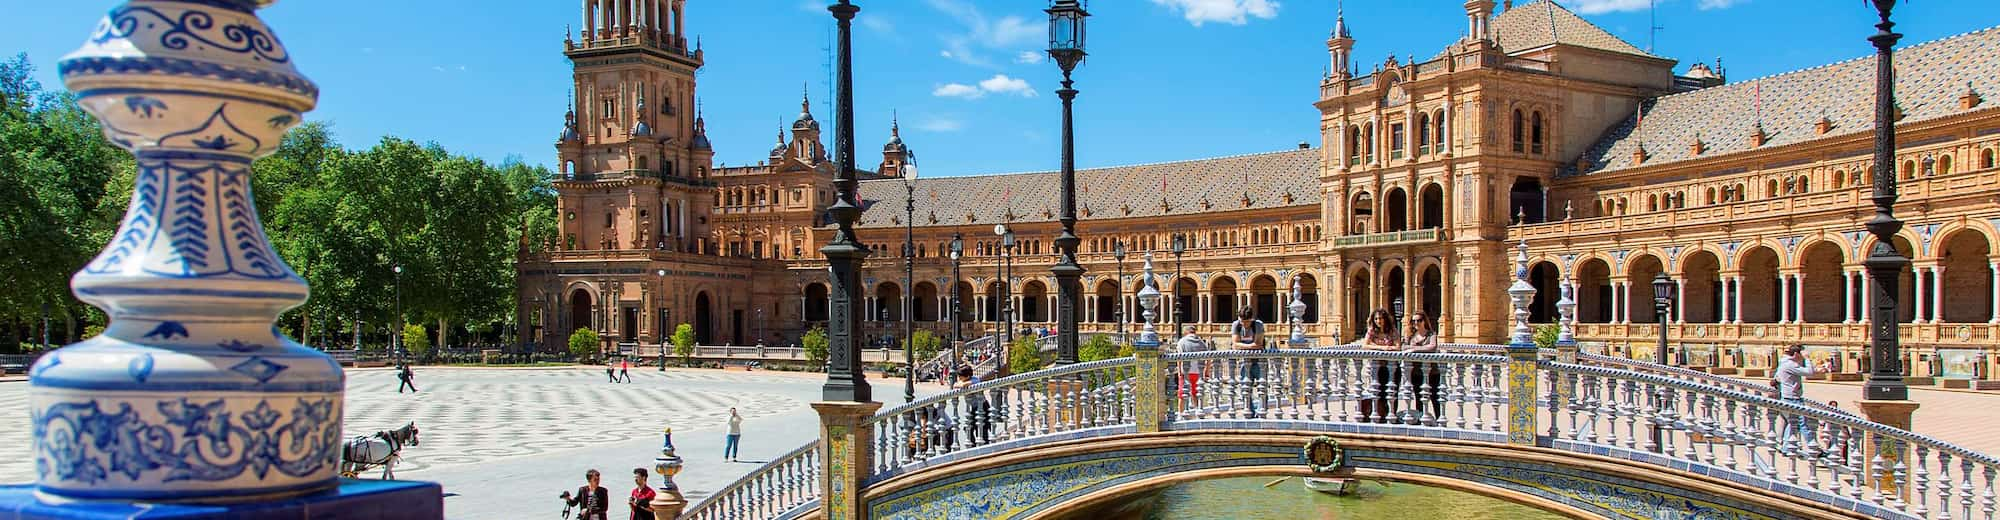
{"points": [[814, 344], [416, 342], [684, 342], [1097, 348], [583, 344], [927, 344], [1024, 355], [1545, 335]]}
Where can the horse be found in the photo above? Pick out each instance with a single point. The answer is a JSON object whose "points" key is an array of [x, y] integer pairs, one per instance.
{"points": [[382, 449]]}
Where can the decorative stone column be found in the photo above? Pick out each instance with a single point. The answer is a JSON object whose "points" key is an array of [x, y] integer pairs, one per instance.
{"points": [[1522, 355], [190, 394], [1566, 347], [667, 501], [845, 457], [1147, 393]]}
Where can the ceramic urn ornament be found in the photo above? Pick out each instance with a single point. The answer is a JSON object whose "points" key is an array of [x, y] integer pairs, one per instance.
{"points": [[190, 394]]}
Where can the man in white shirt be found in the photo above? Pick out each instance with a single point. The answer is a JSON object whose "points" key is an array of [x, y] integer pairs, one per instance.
{"points": [[1790, 380]]}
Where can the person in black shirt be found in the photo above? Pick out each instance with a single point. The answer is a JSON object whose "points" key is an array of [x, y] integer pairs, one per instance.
{"points": [[594, 499], [405, 375]]}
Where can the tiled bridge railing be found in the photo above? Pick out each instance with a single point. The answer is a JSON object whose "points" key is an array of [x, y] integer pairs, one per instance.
{"points": [[1711, 427]]}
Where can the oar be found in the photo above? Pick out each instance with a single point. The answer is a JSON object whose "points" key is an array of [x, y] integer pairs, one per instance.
{"points": [[1275, 482]]}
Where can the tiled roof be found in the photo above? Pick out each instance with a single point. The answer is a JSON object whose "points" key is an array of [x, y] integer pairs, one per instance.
{"points": [[1108, 193], [1545, 22], [1930, 77]]}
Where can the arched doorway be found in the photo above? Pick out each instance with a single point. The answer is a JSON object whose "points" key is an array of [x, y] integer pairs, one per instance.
{"points": [[816, 302], [704, 320], [1264, 295], [1641, 274], [1107, 302], [1222, 300], [995, 300], [1702, 273], [1759, 271], [1358, 303], [1395, 285], [964, 304], [1033, 306], [1824, 290], [1431, 284], [1593, 291], [1396, 205], [888, 302], [1185, 308], [1545, 278], [1968, 277], [924, 306], [1431, 207], [580, 304]]}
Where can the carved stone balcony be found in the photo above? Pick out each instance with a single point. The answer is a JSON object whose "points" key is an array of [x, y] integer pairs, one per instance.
{"points": [[1393, 238]]}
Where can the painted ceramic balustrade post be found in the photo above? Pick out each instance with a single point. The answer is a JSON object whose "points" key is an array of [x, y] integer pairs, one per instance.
{"points": [[190, 394], [1149, 395], [1522, 354]]}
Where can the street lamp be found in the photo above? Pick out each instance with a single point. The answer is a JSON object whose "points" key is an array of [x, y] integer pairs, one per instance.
{"points": [[957, 311], [1066, 47], [665, 321], [1884, 264], [909, 287], [845, 380], [1179, 246], [1006, 292], [396, 336], [1663, 301], [1118, 253]]}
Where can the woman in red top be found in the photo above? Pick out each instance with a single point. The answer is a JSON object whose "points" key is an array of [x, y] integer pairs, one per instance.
{"points": [[642, 496]]}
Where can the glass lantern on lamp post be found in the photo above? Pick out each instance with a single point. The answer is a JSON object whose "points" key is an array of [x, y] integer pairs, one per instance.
{"points": [[1663, 301]]}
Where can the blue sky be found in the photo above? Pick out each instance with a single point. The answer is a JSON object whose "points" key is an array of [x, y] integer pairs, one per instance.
{"points": [[1166, 80]]}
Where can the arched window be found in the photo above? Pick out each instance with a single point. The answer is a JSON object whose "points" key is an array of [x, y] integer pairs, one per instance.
{"points": [[642, 162], [1909, 170], [1944, 165], [1368, 142], [1423, 133], [1771, 189], [1710, 198], [1517, 132], [1653, 202], [1438, 135], [1537, 148], [1986, 159], [1839, 179], [1805, 184], [1353, 145]]}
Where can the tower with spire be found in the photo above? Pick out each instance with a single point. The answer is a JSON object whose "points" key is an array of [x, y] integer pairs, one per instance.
{"points": [[896, 156], [1340, 46]]}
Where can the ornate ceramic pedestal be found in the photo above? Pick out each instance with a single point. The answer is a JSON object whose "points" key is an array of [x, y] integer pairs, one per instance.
{"points": [[190, 395]]}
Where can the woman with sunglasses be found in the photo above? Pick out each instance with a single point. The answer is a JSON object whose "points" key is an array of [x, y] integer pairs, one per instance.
{"points": [[1380, 336], [1429, 377]]}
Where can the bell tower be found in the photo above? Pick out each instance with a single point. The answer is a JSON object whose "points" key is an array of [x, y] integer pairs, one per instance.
{"points": [[631, 153]]}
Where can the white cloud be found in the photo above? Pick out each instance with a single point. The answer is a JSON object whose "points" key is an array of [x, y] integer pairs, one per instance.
{"points": [[1718, 4], [982, 32], [1609, 6], [958, 90], [877, 24], [998, 84], [1001, 84], [940, 124], [1233, 12], [1028, 58]]}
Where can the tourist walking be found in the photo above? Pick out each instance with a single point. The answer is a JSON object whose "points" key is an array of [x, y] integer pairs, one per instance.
{"points": [[625, 369], [1247, 333], [403, 373], [735, 435], [1189, 342], [641, 501], [1427, 378], [1378, 406], [1790, 380], [610, 372], [592, 499]]}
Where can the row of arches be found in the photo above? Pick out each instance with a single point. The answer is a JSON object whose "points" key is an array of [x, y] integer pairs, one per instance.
{"points": [[1033, 301], [1789, 184], [1363, 141], [1822, 285], [1395, 212]]}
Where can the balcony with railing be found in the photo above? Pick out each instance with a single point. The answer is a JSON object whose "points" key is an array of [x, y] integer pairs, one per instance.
{"points": [[1392, 238]]}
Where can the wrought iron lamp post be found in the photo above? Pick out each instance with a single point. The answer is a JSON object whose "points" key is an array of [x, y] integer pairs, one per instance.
{"points": [[1180, 244], [396, 336], [957, 304], [909, 288], [1066, 47], [1006, 292], [1118, 253], [1663, 302], [1884, 264], [845, 380]]}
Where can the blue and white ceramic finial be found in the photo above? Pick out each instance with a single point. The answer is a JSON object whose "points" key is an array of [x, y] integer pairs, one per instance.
{"points": [[190, 394]]}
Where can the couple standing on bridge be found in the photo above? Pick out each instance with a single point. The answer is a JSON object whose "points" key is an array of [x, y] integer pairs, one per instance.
{"points": [[1247, 333]]}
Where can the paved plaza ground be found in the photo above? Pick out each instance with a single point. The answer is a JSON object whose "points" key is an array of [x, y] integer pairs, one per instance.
{"points": [[505, 442]]}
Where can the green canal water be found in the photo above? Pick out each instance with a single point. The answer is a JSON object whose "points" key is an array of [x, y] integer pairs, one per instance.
{"points": [[1246, 498]]}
